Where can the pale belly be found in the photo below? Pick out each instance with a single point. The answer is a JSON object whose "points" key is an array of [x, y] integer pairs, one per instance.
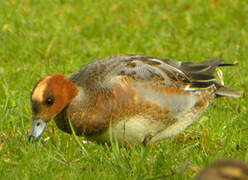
{"points": [[133, 130], [140, 129]]}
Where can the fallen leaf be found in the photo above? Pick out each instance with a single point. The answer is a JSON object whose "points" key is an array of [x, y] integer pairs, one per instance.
{"points": [[26, 109]]}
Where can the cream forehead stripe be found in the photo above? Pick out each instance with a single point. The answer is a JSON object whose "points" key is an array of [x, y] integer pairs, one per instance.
{"points": [[39, 90]]}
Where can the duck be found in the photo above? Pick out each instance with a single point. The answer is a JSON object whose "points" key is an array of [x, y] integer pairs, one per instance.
{"points": [[133, 98], [224, 169]]}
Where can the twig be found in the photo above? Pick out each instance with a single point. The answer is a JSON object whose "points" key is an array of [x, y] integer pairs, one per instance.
{"points": [[184, 166]]}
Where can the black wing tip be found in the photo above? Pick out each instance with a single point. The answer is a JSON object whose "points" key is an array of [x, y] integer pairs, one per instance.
{"points": [[229, 64], [218, 62]]}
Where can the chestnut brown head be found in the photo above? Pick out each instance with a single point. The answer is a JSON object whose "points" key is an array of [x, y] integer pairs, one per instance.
{"points": [[49, 97]]}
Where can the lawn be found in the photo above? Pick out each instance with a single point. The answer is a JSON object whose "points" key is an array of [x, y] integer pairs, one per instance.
{"points": [[38, 37]]}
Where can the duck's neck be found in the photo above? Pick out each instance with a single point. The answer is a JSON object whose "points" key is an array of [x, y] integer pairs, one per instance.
{"points": [[62, 122]]}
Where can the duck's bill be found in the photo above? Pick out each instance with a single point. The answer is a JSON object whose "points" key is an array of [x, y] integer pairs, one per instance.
{"points": [[38, 126]]}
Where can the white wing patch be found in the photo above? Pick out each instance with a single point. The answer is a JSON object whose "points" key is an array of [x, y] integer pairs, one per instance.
{"points": [[177, 104]]}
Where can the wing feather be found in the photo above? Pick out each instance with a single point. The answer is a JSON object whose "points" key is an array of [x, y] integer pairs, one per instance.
{"points": [[151, 70]]}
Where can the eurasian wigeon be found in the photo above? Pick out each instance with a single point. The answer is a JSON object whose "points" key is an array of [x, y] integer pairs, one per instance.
{"points": [[224, 169], [143, 99]]}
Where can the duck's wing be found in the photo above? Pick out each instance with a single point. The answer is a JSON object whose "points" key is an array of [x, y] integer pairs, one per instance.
{"points": [[184, 75], [151, 70], [157, 71]]}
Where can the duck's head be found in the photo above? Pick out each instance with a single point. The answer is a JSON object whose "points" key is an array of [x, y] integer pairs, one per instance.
{"points": [[224, 169], [49, 97]]}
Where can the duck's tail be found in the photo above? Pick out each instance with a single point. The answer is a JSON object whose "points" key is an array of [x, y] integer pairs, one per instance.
{"points": [[202, 76]]}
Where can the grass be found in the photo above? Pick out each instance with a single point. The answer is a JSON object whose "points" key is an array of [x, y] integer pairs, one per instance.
{"points": [[41, 37]]}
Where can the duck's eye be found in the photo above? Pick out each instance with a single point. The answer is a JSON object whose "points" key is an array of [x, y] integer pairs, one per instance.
{"points": [[49, 101]]}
